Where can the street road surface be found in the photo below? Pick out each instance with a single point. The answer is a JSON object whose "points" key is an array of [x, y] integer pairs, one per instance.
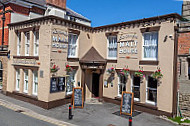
{"points": [[11, 118]]}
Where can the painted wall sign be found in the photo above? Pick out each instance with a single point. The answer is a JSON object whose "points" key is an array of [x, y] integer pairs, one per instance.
{"points": [[78, 98], [59, 39], [24, 61], [129, 36], [57, 84]]}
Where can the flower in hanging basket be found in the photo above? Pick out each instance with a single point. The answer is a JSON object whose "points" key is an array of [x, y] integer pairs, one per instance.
{"points": [[111, 70], [157, 74], [139, 74], [124, 72], [55, 68], [68, 68]]}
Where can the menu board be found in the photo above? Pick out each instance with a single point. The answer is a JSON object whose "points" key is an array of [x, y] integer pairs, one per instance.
{"points": [[78, 98], [127, 103], [57, 84]]}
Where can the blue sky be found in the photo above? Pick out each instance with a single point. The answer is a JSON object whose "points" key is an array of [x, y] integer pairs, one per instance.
{"points": [[104, 12]]}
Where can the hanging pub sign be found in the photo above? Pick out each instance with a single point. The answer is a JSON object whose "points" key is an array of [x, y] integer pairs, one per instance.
{"points": [[128, 43], [57, 84], [59, 39], [126, 103], [78, 98]]}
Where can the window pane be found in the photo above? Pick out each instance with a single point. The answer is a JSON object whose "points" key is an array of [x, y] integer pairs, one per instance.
{"points": [[136, 81], [152, 83], [152, 95], [72, 47], [112, 46], [136, 91]]}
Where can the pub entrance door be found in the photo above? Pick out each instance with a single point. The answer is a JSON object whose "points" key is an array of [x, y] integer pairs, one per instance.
{"points": [[95, 85]]}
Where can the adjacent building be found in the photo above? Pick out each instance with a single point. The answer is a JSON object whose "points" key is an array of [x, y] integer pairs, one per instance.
{"points": [[51, 55]]}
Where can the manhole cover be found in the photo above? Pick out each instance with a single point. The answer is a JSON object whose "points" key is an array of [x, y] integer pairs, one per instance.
{"points": [[111, 125]]}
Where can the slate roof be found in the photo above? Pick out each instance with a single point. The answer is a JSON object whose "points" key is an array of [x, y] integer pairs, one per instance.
{"points": [[75, 14], [92, 56]]}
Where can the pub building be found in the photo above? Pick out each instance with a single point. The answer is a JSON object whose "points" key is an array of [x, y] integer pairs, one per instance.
{"points": [[50, 55]]}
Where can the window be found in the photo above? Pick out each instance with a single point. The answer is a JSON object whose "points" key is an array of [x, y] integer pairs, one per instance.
{"points": [[121, 84], [18, 43], [36, 43], [112, 47], [17, 80], [71, 83], [25, 81], [27, 43], [35, 83], [135, 88], [151, 91], [1, 71], [150, 46], [72, 45]]}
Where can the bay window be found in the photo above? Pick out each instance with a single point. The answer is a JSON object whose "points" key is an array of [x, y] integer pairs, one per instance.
{"points": [[27, 43], [112, 47], [122, 80], [136, 88], [151, 91], [25, 81], [72, 45], [150, 46], [18, 43], [17, 79], [35, 83], [36, 43]]}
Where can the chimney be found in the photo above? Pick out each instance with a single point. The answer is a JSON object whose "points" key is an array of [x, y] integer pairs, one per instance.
{"points": [[57, 3]]}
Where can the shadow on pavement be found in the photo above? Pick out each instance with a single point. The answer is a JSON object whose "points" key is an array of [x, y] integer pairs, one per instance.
{"points": [[135, 113]]}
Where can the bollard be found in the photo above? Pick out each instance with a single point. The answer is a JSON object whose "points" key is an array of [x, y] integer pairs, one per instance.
{"points": [[130, 121], [70, 112]]}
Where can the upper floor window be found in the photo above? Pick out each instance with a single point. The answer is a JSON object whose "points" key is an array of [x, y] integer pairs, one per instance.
{"points": [[36, 43], [27, 43], [112, 47], [72, 45], [18, 43], [150, 46]]}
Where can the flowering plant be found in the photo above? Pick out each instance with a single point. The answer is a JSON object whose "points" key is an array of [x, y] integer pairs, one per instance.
{"points": [[55, 68], [139, 73], [111, 70], [125, 71], [68, 68], [157, 74]]}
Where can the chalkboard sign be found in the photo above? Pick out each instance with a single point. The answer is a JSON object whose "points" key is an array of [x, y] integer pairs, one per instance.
{"points": [[57, 84], [127, 103], [78, 98]]}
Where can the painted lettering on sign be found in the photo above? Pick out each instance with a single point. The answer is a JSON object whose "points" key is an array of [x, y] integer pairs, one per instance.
{"points": [[59, 39], [128, 47]]}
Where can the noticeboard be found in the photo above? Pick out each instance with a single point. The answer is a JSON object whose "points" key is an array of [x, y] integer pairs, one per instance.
{"points": [[127, 103], [78, 98], [57, 84]]}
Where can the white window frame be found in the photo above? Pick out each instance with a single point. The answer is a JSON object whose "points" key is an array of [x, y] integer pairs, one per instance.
{"points": [[18, 43], [120, 95], [34, 84], [74, 84], [151, 59], [112, 58], [36, 43], [27, 43], [132, 79], [17, 87], [77, 47], [25, 90], [148, 101]]}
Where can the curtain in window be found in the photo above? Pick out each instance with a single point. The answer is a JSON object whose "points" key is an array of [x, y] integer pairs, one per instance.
{"points": [[72, 45], [150, 45], [112, 47]]}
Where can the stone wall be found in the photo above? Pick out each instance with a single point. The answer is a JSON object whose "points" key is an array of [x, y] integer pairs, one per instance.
{"points": [[184, 103], [4, 61]]}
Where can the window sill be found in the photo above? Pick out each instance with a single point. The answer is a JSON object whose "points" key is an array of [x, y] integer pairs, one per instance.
{"points": [[26, 57], [148, 62], [25, 95], [112, 60], [72, 59]]}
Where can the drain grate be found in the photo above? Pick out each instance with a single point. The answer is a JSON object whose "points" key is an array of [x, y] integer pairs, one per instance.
{"points": [[111, 125], [19, 111]]}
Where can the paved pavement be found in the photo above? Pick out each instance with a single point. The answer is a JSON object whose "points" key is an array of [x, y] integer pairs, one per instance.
{"points": [[11, 118], [93, 114]]}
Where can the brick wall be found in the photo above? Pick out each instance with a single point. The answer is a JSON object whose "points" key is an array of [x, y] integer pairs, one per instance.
{"points": [[57, 3], [184, 43]]}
